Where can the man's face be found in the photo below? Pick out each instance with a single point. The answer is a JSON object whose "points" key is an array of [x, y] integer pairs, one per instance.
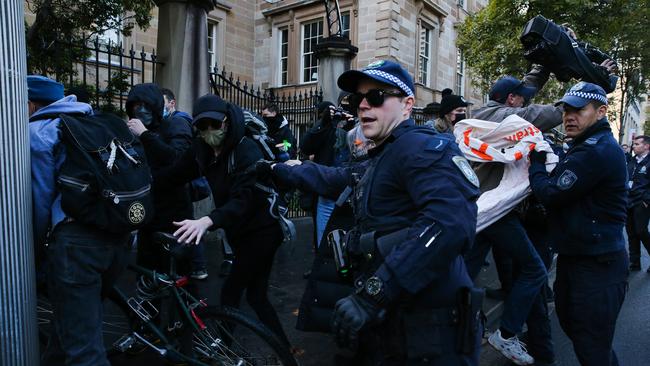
{"points": [[170, 105], [578, 120], [640, 147], [267, 113], [378, 122], [514, 100], [625, 147]]}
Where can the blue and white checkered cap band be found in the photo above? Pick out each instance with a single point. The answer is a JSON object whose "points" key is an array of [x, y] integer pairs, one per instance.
{"points": [[392, 78], [593, 96]]}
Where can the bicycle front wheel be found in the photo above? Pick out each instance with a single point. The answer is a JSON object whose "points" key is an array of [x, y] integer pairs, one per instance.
{"points": [[232, 338]]}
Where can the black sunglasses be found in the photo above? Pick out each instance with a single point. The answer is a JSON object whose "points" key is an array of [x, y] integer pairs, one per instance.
{"points": [[375, 97], [203, 124]]}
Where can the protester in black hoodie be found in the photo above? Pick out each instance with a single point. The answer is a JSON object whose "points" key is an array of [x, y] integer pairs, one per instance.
{"points": [[227, 159], [164, 140], [279, 131]]}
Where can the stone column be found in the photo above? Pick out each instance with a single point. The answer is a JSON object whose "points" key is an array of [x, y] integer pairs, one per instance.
{"points": [[183, 47], [18, 326], [334, 55]]}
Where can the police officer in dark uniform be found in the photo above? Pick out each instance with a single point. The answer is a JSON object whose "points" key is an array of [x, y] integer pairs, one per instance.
{"points": [[638, 214], [415, 212], [586, 195]]}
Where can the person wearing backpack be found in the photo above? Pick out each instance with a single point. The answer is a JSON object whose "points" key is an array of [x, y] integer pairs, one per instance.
{"points": [[226, 157], [164, 140], [83, 261]]}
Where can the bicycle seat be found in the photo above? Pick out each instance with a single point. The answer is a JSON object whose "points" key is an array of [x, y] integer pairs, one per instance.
{"points": [[166, 240]]}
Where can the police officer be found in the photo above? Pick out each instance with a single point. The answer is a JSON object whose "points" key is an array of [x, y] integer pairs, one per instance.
{"points": [[415, 215], [638, 212], [586, 195]]}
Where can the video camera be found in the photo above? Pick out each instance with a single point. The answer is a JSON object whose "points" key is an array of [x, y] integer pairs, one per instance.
{"points": [[550, 45]]}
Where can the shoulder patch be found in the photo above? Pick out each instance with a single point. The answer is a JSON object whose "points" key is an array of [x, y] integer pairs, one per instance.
{"points": [[566, 180], [463, 165], [437, 144], [591, 141]]}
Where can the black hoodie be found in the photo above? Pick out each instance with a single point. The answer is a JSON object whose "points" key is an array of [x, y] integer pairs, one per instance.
{"points": [[240, 208], [164, 141]]}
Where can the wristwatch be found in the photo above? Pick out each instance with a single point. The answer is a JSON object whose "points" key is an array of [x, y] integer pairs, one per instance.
{"points": [[374, 287]]}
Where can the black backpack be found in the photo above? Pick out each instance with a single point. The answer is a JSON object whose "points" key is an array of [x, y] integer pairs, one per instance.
{"points": [[105, 181], [255, 129]]}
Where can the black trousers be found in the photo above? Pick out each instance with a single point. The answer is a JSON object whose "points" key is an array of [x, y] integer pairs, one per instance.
{"points": [[589, 293], [251, 268], [637, 232]]}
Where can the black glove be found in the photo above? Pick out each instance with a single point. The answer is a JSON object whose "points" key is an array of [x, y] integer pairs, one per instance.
{"points": [[537, 157], [352, 314]]}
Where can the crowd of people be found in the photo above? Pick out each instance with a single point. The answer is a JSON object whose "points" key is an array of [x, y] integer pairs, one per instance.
{"points": [[399, 199]]}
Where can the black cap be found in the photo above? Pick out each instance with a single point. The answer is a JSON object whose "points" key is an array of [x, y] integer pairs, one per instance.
{"points": [[209, 106], [450, 102]]}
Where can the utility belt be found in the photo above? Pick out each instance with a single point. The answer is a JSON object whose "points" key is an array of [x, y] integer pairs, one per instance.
{"points": [[355, 251]]}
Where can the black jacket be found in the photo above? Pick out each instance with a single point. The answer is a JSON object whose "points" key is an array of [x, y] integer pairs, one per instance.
{"points": [[164, 142], [319, 141], [639, 181], [240, 208], [279, 132], [586, 194]]}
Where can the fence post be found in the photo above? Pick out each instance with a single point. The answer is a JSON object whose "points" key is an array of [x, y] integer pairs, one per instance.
{"points": [[18, 328], [182, 47]]}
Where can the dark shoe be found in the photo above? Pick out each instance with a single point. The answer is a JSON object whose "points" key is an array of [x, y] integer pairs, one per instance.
{"points": [[635, 267], [226, 267], [201, 274], [496, 293]]}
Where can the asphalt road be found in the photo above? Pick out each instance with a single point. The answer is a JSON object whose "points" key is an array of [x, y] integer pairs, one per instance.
{"points": [[632, 338]]}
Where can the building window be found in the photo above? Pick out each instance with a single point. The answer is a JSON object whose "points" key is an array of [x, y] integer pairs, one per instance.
{"points": [[462, 4], [312, 34], [425, 55], [460, 73], [284, 56], [212, 43], [345, 24]]}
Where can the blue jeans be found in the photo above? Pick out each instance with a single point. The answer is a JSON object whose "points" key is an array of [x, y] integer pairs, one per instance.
{"points": [[589, 293], [83, 265], [508, 236], [324, 210]]}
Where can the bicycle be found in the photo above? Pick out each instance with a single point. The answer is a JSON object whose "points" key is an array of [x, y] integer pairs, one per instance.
{"points": [[195, 333]]}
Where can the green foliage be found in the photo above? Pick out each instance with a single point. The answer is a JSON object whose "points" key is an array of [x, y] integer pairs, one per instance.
{"points": [[117, 84], [490, 38], [74, 22]]}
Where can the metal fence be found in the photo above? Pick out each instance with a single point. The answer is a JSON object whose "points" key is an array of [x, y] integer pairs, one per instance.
{"points": [[105, 70], [298, 108]]}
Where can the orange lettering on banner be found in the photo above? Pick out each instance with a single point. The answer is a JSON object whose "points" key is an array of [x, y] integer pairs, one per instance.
{"points": [[518, 155], [528, 131], [466, 134]]}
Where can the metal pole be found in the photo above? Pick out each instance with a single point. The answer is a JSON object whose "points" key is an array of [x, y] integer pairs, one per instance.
{"points": [[18, 328]]}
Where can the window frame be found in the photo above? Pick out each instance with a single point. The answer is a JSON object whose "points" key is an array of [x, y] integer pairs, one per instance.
{"points": [[213, 58], [281, 32], [460, 73], [302, 48], [427, 29]]}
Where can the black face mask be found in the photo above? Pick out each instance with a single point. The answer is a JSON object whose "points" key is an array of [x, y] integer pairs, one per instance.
{"points": [[459, 117], [144, 114]]}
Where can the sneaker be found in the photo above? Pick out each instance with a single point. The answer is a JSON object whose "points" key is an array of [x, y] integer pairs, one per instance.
{"points": [[511, 348], [201, 274]]}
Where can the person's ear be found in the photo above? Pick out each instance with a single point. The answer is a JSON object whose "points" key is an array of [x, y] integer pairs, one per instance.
{"points": [[601, 112], [409, 102]]}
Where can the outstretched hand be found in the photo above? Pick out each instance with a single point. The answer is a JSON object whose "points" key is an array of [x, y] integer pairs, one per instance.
{"points": [[191, 231]]}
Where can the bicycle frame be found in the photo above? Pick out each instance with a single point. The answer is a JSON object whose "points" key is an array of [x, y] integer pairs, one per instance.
{"points": [[181, 298]]}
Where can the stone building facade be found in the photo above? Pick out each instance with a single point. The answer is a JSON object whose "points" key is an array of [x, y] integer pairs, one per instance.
{"points": [[269, 43]]}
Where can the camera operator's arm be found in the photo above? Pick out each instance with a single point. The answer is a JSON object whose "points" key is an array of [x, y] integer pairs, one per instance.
{"points": [[537, 77]]}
